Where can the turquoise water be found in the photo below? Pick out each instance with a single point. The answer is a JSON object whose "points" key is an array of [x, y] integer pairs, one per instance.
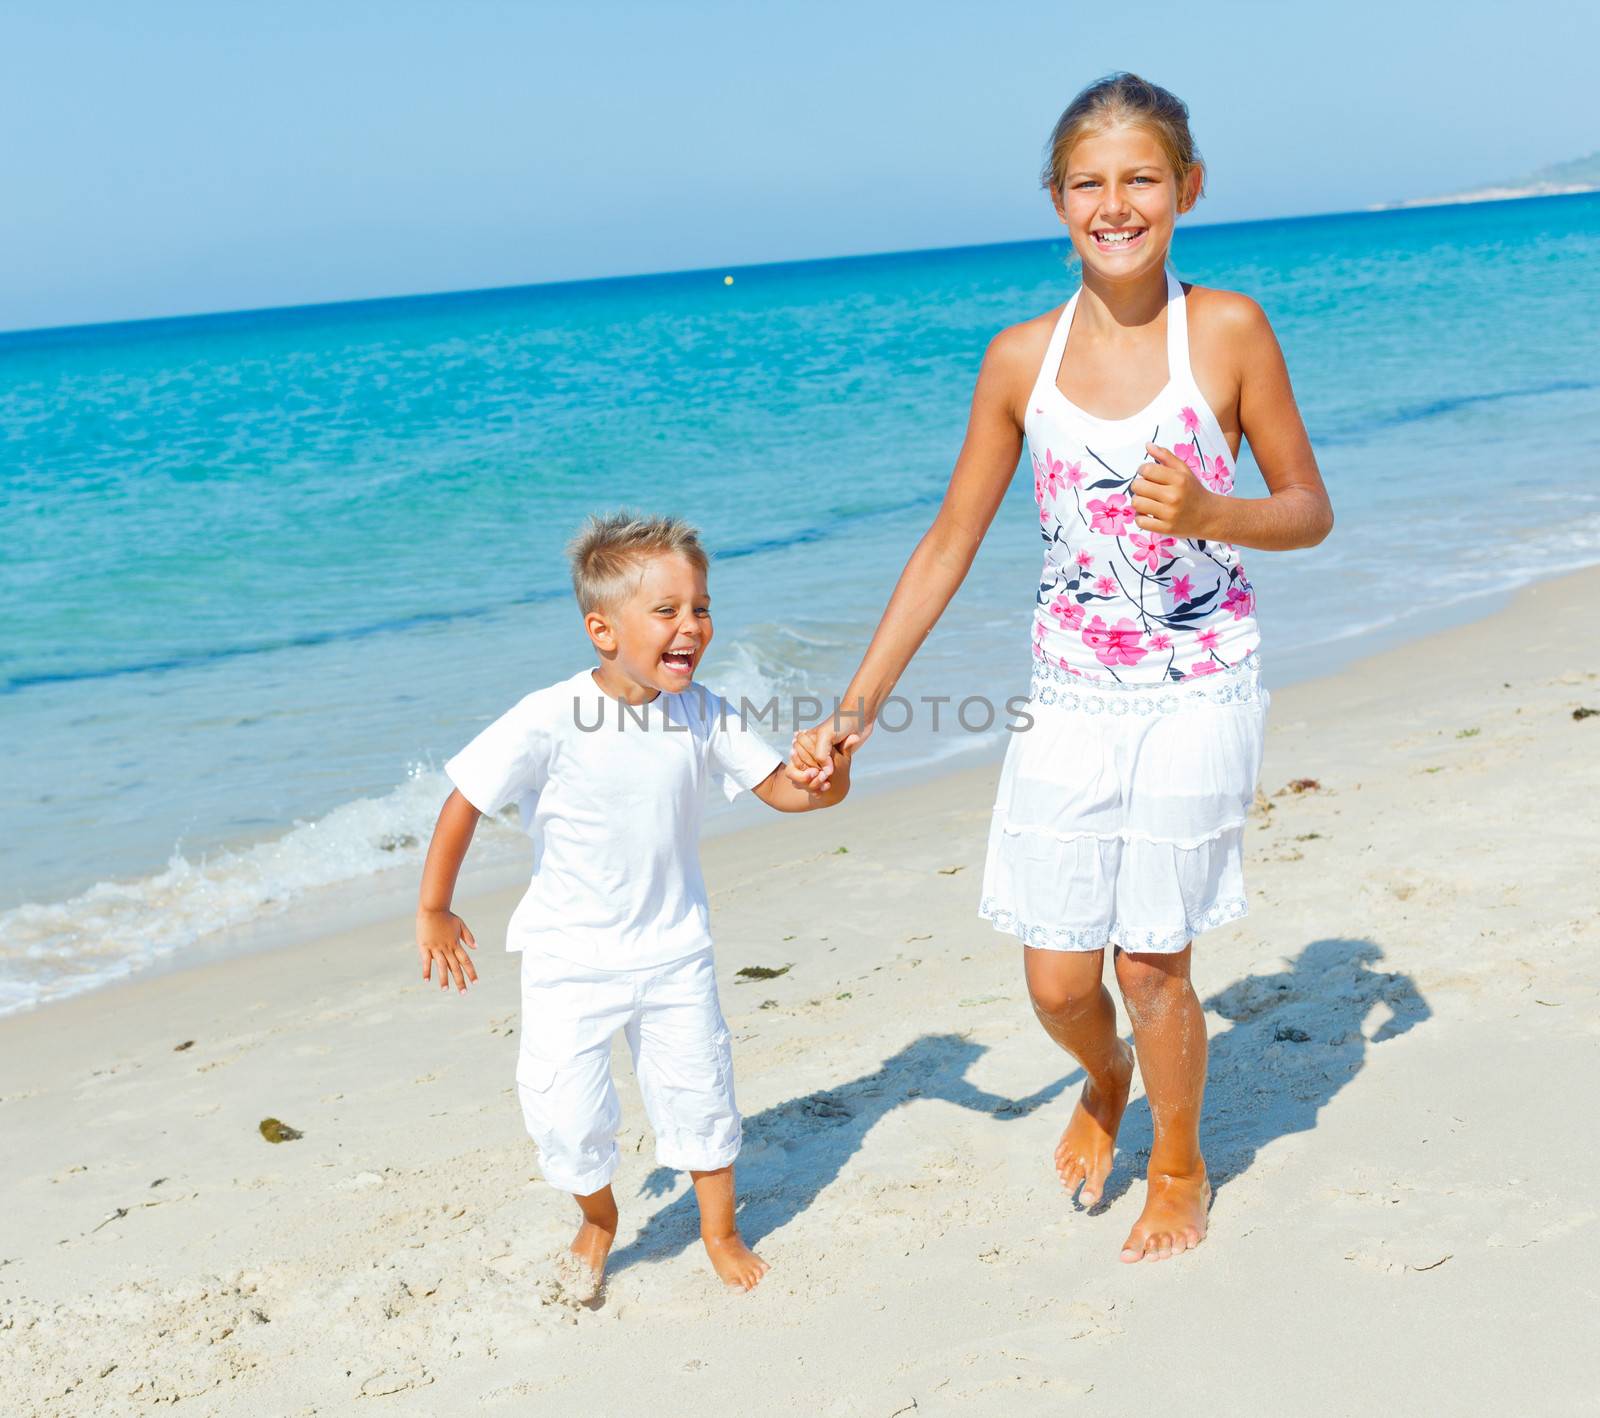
{"points": [[265, 571]]}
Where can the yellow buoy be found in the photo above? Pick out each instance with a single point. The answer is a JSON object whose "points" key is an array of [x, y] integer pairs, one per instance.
{"points": [[727, 280]]}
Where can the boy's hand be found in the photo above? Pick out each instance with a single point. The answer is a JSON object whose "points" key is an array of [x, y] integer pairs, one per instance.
{"points": [[440, 936]]}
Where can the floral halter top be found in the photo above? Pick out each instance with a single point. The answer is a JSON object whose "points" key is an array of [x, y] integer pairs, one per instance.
{"points": [[1116, 603]]}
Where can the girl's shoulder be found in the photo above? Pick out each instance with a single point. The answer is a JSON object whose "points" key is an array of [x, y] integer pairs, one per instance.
{"points": [[1012, 363], [1026, 340], [1227, 329], [1016, 354], [1228, 314]]}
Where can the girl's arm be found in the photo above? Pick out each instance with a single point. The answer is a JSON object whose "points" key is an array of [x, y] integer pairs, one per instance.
{"points": [[943, 557], [1296, 513], [440, 932]]}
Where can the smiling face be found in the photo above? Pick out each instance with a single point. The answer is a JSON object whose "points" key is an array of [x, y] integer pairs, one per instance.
{"points": [[653, 640], [1120, 201]]}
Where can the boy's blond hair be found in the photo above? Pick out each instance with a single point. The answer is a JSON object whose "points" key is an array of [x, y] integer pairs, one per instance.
{"points": [[609, 553]]}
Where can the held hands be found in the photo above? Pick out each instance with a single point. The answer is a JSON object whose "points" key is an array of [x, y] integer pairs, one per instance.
{"points": [[818, 752], [1169, 498], [440, 935]]}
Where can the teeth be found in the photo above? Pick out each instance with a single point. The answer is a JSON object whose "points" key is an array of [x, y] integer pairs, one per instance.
{"points": [[1116, 238]]}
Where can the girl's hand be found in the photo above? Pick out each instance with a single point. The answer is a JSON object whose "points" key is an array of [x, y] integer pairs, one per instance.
{"points": [[1169, 498], [440, 936]]}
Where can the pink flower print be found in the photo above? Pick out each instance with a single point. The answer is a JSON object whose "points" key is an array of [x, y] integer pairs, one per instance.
{"points": [[1111, 515], [1204, 667], [1152, 547], [1067, 611], [1085, 559], [1106, 586], [1190, 455], [1161, 641], [1208, 639], [1074, 474], [1114, 645], [1182, 589], [1218, 479], [1191, 420], [1241, 600], [1044, 515], [1038, 481], [1051, 473]]}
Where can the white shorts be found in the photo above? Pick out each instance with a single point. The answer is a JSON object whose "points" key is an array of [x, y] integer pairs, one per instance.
{"points": [[682, 1057], [1120, 815]]}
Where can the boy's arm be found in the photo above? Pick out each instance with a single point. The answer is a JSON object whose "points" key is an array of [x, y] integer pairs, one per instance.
{"points": [[440, 932], [779, 791]]}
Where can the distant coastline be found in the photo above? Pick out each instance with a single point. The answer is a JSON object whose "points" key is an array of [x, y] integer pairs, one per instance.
{"points": [[1563, 179]]}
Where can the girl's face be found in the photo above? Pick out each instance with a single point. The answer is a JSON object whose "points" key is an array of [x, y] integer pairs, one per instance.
{"points": [[1121, 201]]}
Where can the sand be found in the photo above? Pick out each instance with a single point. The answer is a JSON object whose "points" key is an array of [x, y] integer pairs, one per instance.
{"points": [[1404, 1058]]}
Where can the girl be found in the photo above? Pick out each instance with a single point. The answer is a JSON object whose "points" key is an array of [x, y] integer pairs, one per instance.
{"points": [[1120, 815]]}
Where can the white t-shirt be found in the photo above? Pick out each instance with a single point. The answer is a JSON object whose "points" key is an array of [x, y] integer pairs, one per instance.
{"points": [[612, 795]]}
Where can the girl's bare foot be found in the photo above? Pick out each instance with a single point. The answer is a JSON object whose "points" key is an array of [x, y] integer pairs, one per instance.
{"points": [[739, 1266], [1083, 1156], [1173, 1220]]}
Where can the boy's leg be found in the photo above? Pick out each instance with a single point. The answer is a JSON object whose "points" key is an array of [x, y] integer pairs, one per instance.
{"points": [[683, 1056], [735, 1262], [1169, 1035], [569, 1102], [1076, 1011], [598, 1232]]}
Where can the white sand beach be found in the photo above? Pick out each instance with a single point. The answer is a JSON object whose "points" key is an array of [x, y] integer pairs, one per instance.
{"points": [[1404, 1058]]}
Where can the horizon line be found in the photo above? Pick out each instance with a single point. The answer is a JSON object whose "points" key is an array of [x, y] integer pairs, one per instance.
{"points": [[28, 333]]}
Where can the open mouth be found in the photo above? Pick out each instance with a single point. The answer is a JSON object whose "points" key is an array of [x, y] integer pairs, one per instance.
{"points": [[1119, 238], [679, 661]]}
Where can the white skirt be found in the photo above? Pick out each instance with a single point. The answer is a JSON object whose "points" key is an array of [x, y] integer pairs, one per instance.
{"points": [[1121, 811]]}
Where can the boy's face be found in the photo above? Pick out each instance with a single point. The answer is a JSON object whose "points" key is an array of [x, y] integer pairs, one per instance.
{"points": [[656, 637]]}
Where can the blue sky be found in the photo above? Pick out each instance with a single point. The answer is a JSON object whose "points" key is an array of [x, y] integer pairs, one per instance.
{"points": [[166, 158]]}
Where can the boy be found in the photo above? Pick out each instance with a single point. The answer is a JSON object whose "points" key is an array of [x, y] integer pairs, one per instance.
{"points": [[607, 771]]}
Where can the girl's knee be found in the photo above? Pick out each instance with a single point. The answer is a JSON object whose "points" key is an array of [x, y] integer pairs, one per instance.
{"points": [[1063, 982], [1152, 977]]}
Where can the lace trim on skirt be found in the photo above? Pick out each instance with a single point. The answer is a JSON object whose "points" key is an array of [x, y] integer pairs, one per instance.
{"points": [[1056, 687], [1143, 940]]}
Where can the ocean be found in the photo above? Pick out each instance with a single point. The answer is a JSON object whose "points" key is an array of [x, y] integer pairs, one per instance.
{"points": [[264, 572]]}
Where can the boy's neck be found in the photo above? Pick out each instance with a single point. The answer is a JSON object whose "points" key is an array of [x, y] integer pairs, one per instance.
{"points": [[616, 685]]}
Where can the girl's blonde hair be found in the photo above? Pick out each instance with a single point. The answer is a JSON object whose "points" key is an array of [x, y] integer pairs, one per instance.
{"points": [[1123, 99], [609, 553]]}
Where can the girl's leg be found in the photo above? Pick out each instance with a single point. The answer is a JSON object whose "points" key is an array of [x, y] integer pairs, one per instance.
{"points": [[1169, 1035], [1077, 1012]]}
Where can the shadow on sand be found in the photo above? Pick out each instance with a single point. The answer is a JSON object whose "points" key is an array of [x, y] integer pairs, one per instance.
{"points": [[1296, 1037], [796, 1149]]}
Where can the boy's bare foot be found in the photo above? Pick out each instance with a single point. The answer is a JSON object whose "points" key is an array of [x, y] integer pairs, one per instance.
{"points": [[739, 1266], [1083, 1156], [1173, 1220], [592, 1245]]}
